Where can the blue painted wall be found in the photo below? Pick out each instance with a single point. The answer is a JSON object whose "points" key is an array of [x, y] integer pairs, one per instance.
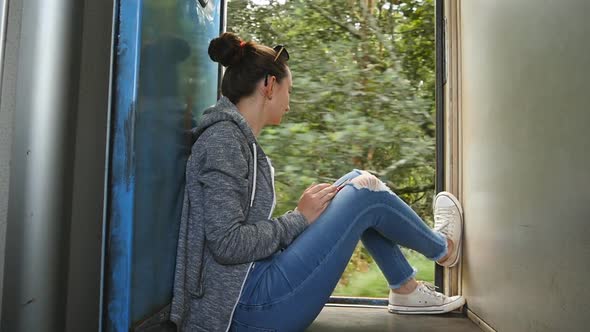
{"points": [[164, 80]]}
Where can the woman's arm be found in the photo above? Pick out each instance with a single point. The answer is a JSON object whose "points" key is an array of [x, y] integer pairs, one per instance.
{"points": [[224, 178]]}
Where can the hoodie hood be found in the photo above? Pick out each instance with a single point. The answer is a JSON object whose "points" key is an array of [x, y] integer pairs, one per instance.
{"points": [[223, 110]]}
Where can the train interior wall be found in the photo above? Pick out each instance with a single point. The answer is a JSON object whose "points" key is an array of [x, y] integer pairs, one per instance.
{"points": [[525, 161]]}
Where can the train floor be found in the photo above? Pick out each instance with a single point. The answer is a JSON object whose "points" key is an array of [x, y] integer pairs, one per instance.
{"points": [[353, 319], [372, 319]]}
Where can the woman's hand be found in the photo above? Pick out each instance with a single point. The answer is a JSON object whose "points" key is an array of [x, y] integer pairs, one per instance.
{"points": [[315, 199]]}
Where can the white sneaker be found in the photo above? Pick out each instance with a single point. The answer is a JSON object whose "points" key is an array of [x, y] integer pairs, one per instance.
{"points": [[423, 300], [448, 220]]}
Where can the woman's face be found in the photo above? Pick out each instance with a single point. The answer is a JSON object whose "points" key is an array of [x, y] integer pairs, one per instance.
{"points": [[279, 104]]}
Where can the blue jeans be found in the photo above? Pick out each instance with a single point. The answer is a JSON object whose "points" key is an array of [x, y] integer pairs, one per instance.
{"points": [[287, 291]]}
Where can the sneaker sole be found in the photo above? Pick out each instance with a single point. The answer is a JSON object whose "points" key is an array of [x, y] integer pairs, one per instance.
{"points": [[420, 310], [459, 252]]}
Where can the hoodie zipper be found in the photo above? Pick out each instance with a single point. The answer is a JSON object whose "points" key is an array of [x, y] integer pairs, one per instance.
{"points": [[251, 266]]}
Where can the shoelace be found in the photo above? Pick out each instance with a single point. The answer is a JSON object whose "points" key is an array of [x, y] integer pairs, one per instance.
{"points": [[431, 289], [442, 219]]}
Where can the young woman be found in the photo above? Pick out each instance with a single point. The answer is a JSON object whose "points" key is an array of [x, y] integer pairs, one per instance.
{"points": [[237, 269]]}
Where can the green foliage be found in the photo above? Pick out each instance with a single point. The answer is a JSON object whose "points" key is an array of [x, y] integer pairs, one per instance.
{"points": [[372, 283], [363, 76]]}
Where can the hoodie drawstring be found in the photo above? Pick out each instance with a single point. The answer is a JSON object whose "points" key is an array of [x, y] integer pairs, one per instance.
{"points": [[255, 171]]}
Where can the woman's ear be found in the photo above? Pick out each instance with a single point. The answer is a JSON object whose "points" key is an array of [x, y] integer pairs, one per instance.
{"points": [[270, 86], [266, 86]]}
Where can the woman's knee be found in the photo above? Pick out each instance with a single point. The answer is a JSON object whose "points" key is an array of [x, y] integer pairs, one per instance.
{"points": [[369, 181]]}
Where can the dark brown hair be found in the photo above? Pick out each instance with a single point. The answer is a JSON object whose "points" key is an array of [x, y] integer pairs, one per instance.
{"points": [[247, 63]]}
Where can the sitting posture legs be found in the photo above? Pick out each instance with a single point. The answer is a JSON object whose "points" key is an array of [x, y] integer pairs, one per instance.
{"points": [[409, 296], [286, 292]]}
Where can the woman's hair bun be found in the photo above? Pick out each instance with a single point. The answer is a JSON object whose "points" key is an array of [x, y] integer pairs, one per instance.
{"points": [[227, 49]]}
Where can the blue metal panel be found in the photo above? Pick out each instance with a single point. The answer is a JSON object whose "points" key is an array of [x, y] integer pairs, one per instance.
{"points": [[177, 81], [122, 170], [164, 79]]}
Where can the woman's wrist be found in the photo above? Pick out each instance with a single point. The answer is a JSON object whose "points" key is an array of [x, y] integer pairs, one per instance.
{"points": [[301, 215]]}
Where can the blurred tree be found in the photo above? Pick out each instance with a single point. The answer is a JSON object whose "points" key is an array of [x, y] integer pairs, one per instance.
{"points": [[363, 76]]}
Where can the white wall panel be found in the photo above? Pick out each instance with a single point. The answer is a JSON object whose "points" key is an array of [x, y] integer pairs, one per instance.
{"points": [[526, 162]]}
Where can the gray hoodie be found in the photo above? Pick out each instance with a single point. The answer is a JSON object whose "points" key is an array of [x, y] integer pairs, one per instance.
{"points": [[225, 223]]}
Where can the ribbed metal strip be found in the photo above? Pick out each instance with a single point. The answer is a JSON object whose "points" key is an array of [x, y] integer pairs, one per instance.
{"points": [[440, 113]]}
